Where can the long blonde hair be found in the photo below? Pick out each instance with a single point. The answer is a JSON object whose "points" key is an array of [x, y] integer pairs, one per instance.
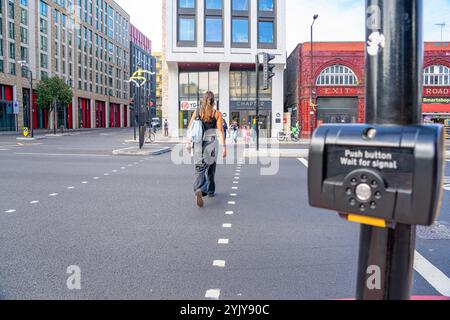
{"points": [[207, 109]]}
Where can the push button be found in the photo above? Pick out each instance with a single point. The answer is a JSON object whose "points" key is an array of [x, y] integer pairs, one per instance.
{"points": [[363, 192]]}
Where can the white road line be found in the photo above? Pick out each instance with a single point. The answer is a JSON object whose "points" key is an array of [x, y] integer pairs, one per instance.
{"points": [[304, 162], [232, 203], [229, 213], [432, 275], [34, 202], [61, 154], [114, 171], [106, 174], [227, 226], [435, 277], [85, 182], [223, 241], [96, 178], [71, 188], [52, 194], [235, 188], [236, 178], [122, 168], [219, 263], [213, 294], [236, 182], [233, 195], [10, 211]]}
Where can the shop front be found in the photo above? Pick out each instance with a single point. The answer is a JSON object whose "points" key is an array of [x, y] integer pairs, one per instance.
{"points": [[84, 113], [114, 115], [100, 114], [192, 86], [7, 116], [342, 105], [243, 101]]}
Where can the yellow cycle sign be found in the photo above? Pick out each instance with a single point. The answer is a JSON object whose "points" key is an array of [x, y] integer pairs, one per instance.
{"points": [[25, 132]]}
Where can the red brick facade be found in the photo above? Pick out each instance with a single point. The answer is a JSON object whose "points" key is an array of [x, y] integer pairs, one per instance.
{"points": [[351, 55]]}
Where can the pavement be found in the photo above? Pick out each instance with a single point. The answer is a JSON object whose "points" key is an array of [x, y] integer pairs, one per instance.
{"points": [[131, 227]]}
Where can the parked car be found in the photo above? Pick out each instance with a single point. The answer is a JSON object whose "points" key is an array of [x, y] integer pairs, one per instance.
{"points": [[156, 124]]}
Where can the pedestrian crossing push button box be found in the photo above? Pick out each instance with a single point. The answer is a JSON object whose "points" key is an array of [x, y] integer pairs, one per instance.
{"points": [[390, 173]]}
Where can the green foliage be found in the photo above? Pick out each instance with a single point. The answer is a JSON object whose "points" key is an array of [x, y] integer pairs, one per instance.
{"points": [[53, 90]]}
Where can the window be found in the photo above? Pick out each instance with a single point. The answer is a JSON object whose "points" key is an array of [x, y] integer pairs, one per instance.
{"points": [[337, 75], [192, 85], [240, 24], [266, 24], [266, 5], [266, 32], [437, 75], [43, 8], [187, 35], [213, 23], [243, 86], [240, 5]]}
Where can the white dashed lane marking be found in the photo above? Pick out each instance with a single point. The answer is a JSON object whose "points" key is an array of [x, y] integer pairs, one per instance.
{"points": [[71, 188], [10, 211], [223, 241], [213, 294], [84, 182], [52, 194], [233, 195], [235, 188], [34, 202], [232, 203], [227, 226], [229, 213], [219, 263]]}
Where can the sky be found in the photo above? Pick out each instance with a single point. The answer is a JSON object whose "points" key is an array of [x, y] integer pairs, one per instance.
{"points": [[339, 20]]}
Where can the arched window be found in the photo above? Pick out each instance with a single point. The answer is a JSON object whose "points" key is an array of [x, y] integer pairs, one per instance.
{"points": [[437, 75], [337, 75]]}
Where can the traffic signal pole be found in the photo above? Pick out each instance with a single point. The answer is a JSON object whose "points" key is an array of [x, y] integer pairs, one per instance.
{"points": [[257, 102], [394, 60]]}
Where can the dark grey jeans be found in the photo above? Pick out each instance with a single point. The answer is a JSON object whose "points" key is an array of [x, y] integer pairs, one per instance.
{"points": [[205, 158]]}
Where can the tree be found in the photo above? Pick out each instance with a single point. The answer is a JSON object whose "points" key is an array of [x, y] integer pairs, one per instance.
{"points": [[53, 92]]}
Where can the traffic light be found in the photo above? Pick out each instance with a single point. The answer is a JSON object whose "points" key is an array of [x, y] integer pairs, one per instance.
{"points": [[268, 70], [132, 104]]}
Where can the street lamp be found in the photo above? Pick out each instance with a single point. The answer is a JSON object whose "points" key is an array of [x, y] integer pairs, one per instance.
{"points": [[311, 104], [25, 66]]}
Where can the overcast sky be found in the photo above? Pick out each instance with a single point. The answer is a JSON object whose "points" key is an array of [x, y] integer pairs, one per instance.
{"points": [[339, 20]]}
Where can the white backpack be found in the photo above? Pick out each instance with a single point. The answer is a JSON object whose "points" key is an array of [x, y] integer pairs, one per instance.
{"points": [[196, 132]]}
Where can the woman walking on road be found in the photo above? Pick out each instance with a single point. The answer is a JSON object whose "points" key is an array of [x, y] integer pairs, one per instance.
{"points": [[205, 154]]}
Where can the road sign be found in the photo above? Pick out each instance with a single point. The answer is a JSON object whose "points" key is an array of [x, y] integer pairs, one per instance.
{"points": [[16, 107], [25, 132]]}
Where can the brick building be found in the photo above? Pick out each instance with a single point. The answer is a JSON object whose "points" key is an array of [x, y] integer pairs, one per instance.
{"points": [[86, 43], [338, 84]]}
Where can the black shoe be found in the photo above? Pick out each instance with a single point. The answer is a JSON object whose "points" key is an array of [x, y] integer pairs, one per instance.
{"points": [[199, 199]]}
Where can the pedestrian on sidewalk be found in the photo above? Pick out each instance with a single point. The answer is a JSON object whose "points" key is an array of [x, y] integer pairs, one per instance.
{"points": [[205, 153], [225, 128], [234, 131], [166, 128]]}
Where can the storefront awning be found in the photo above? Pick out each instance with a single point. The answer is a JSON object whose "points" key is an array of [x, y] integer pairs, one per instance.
{"points": [[436, 108]]}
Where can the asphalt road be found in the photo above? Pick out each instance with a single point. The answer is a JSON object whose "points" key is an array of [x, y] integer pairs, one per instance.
{"points": [[131, 226]]}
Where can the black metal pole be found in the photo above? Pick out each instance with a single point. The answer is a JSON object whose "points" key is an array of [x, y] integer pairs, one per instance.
{"points": [[54, 117], [257, 102], [394, 62], [311, 113], [31, 105]]}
